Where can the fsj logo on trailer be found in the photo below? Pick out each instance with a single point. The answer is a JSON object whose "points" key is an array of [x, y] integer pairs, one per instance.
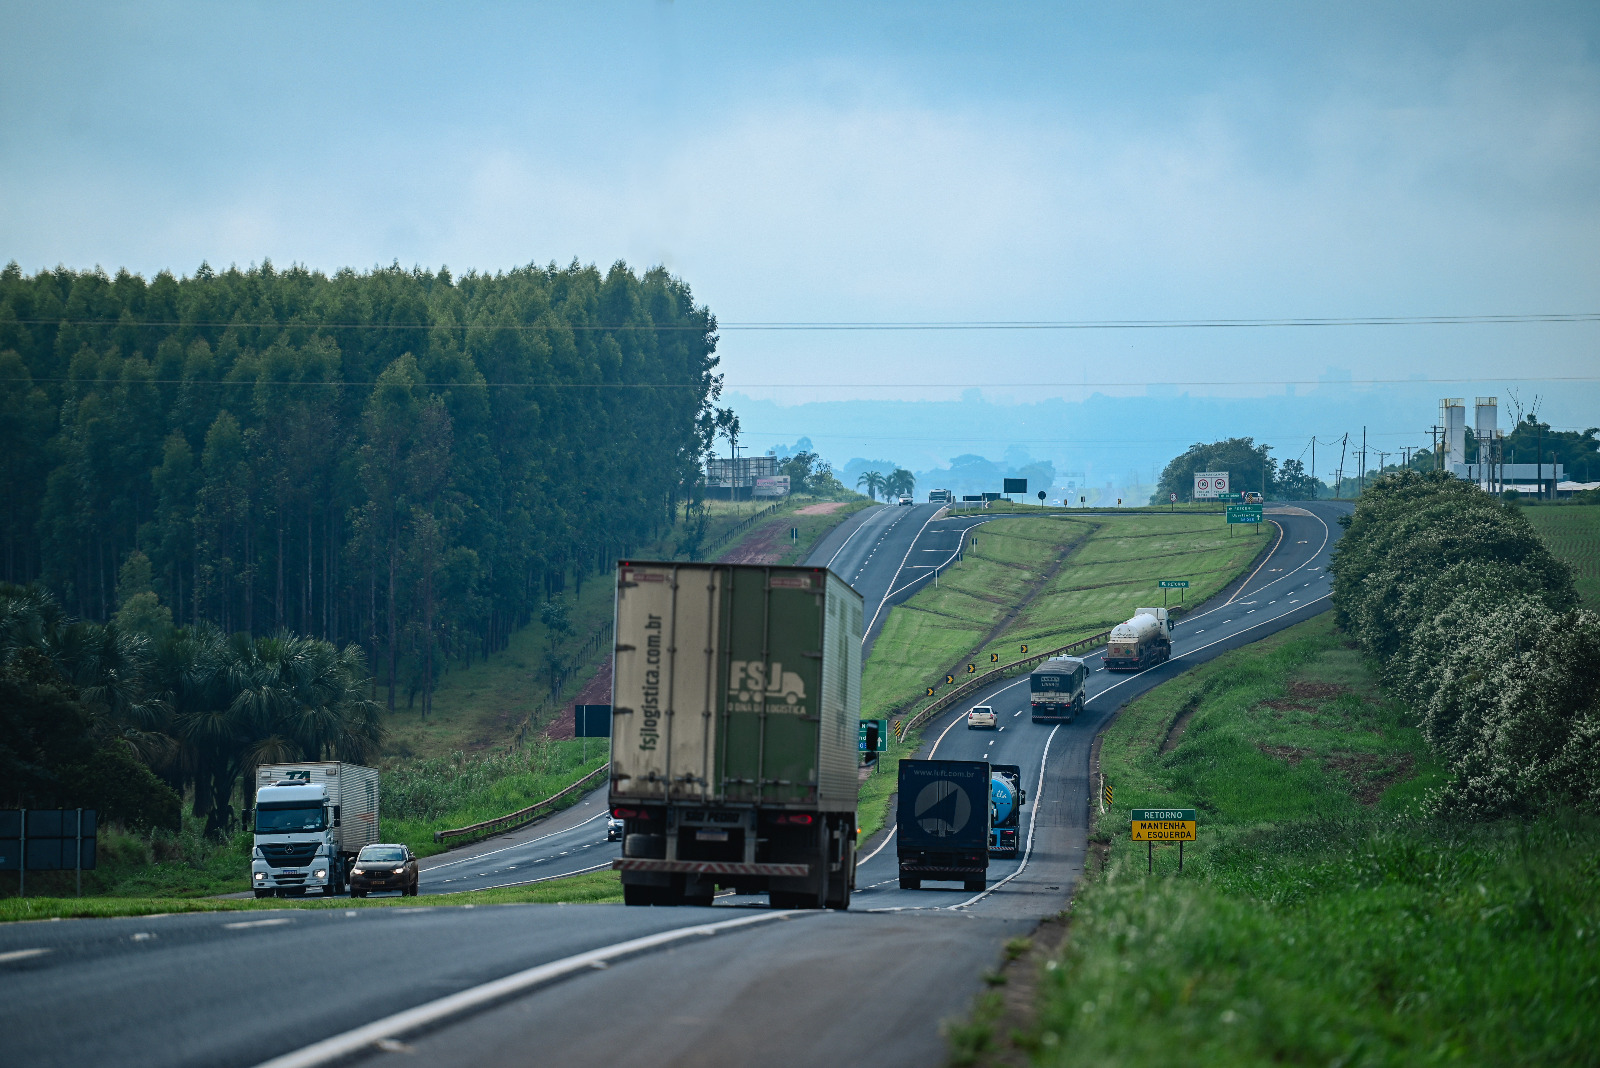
{"points": [[1209, 485]]}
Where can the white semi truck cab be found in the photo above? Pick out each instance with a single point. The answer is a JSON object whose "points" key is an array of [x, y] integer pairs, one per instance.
{"points": [[310, 822]]}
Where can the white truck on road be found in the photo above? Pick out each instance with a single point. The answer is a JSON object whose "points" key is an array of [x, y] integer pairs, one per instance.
{"points": [[311, 819], [1141, 642]]}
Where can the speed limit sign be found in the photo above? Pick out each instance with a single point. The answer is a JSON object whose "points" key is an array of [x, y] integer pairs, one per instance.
{"points": [[1208, 485]]}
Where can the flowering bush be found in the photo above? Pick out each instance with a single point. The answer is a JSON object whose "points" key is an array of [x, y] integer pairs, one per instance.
{"points": [[1476, 626]]}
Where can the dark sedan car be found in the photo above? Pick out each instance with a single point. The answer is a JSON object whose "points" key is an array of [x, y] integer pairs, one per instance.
{"points": [[384, 867]]}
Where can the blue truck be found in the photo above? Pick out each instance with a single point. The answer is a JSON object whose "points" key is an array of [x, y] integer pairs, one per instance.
{"points": [[943, 822], [1006, 798]]}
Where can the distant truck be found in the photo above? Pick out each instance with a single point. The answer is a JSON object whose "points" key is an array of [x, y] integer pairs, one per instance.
{"points": [[736, 705], [1006, 798], [311, 819], [1141, 642], [940, 496], [942, 826], [1057, 689]]}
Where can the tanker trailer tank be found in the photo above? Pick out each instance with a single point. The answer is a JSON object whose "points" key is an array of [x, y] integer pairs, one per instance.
{"points": [[1143, 641]]}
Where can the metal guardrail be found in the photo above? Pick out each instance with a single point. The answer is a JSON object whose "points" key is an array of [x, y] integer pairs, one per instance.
{"points": [[512, 820], [943, 701]]}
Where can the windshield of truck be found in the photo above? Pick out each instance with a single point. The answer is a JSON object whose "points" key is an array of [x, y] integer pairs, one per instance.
{"points": [[285, 816], [382, 853]]}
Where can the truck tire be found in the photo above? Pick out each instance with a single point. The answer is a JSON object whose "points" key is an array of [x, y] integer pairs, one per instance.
{"points": [[839, 896], [909, 882], [638, 895], [974, 885], [263, 893]]}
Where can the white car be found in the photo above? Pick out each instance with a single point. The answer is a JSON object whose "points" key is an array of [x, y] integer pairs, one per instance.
{"points": [[982, 716], [906, 499]]}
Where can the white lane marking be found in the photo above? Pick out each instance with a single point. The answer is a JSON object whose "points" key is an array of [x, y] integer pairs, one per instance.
{"points": [[852, 537], [22, 954], [341, 1046], [1326, 534], [525, 882], [1033, 819], [868, 628], [520, 845], [1018, 712], [887, 838], [242, 924], [143, 936]]}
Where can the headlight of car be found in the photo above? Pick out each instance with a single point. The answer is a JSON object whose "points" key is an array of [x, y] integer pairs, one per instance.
{"points": [[399, 871], [322, 873]]}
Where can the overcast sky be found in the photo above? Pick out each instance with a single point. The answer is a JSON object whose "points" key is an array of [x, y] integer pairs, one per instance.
{"points": [[874, 163]]}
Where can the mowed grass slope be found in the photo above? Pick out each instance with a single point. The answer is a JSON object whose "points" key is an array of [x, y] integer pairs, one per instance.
{"points": [[1318, 919], [1572, 532], [1108, 566]]}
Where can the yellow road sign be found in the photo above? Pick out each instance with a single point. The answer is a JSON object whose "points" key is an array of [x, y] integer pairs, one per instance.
{"points": [[971, 668], [1108, 793], [949, 678], [1163, 825], [994, 658]]}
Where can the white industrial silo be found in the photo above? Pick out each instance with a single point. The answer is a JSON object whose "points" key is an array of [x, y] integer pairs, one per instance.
{"points": [[1485, 421], [1453, 418]]}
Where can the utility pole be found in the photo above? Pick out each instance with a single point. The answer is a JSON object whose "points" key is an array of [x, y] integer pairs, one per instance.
{"points": [[1313, 460], [1361, 477], [1339, 479]]}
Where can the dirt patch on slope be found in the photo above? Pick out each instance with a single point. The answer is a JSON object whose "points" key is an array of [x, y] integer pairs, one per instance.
{"points": [[1290, 754], [1371, 774], [759, 547], [1317, 691], [597, 691], [825, 508]]}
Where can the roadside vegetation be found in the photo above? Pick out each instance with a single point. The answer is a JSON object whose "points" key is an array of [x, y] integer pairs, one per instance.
{"points": [[1322, 916], [1397, 844], [590, 888], [1041, 581]]}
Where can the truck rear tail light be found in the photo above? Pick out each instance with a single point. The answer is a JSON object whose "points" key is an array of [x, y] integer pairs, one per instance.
{"points": [[802, 818], [628, 814]]}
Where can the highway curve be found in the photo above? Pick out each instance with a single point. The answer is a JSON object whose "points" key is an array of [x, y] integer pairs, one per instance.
{"points": [[610, 985]]}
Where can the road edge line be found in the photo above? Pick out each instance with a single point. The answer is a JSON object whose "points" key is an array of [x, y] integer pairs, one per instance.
{"points": [[354, 1041], [1033, 820]]}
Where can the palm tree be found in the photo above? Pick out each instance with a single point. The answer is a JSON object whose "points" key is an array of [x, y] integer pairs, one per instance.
{"points": [[901, 483], [874, 481]]}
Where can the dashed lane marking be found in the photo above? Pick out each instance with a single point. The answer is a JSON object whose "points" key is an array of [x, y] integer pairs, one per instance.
{"points": [[242, 924], [21, 954]]}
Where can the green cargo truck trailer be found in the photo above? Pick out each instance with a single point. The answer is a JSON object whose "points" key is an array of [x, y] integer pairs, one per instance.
{"points": [[736, 701]]}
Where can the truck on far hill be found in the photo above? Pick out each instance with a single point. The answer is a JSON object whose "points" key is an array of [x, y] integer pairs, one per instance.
{"points": [[1143, 641], [940, 496], [1006, 798], [311, 819], [736, 709], [942, 823]]}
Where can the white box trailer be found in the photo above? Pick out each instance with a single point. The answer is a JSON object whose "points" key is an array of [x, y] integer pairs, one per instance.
{"points": [[293, 844]]}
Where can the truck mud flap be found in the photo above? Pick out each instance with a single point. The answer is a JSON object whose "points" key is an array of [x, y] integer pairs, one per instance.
{"points": [[711, 867]]}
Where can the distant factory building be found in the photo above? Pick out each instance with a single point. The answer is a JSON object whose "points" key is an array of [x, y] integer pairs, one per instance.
{"points": [[1487, 468]]}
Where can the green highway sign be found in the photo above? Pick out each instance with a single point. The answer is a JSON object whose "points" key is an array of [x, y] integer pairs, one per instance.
{"points": [[874, 736], [1229, 496], [1244, 513], [1173, 584], [1141, 814]]}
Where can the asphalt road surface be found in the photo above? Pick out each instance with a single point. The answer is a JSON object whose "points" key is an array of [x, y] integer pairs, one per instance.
{"points": [[733, 984]]}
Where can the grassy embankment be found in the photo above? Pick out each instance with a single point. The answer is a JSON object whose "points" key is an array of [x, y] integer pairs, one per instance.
{"points": [[1572, 531], [597, 887], [1111, 567], [1318, 918]]}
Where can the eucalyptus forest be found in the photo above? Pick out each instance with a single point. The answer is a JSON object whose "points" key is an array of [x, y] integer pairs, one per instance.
{"points": [[399, 460]]}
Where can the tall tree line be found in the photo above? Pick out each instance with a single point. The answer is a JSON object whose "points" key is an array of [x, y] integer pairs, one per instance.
{"points": [[401, 459]]}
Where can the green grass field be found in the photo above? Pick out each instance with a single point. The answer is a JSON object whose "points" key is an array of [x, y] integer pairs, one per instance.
{"points": [[1111, 567], [1572, 531], [599, 887], [1317, 919]]}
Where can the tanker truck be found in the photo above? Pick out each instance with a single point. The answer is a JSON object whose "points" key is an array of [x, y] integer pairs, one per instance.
{"points": [[1141, 642], [1006, 798], [736, 706]]}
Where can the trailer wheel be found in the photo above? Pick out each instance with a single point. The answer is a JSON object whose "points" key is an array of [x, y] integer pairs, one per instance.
{"points": [[908, 882], [638, 895], [974, 885]]}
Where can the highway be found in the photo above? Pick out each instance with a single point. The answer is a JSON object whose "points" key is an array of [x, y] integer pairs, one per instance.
{"points": [[606, 984]]}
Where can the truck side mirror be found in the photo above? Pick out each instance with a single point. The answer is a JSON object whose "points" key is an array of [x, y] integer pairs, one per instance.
{"points": [[336, 815]]}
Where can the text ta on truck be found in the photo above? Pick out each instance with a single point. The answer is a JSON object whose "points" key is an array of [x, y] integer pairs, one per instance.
{"points": [[1143, 641], [1056, 690]]}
